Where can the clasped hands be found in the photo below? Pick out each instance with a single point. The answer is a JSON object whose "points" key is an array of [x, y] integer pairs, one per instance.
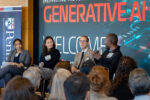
{"points": [[16, 64]]}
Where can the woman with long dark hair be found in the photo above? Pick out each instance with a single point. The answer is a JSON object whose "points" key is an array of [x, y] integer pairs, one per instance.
{"points": [[50, 55], [120, 88], [49, 58], [18, 60]]}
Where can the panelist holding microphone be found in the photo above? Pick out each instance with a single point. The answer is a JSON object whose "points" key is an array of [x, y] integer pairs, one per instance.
{"points": [[111, 56], [83, 56]]}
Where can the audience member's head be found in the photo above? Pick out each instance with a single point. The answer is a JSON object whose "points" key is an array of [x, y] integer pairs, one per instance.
{"points": [[59, 65], [139, 82], [99, 79], [57, 89], [125, 66], [19, 88], [87, 66], [76, 86], [111, 39], [63, 64], [34, 75], [84, 42]]}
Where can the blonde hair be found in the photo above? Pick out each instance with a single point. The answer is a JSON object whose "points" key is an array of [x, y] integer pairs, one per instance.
{"points": [[34, 75], [57, 90]]}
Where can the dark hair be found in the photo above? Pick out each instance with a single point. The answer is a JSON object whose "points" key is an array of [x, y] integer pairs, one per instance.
{"points": [[19, 88], [76, 86], [44, 48], [139, 82], [17, 40], [125, 66], [87, 39], [87, 66], [113, 38]]}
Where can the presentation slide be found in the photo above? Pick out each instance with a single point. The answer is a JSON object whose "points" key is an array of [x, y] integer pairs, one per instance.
{"points": [[67, 20]]}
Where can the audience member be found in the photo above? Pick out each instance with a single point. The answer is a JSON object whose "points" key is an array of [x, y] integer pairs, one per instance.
{"points": [[34, 75], [19, 88], [76, 86], [99, 83], [87, 66], [57, 89], [120, 88], [139, 83]]}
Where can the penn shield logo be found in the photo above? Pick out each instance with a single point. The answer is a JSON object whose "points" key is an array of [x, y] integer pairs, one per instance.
{"points": [[10, 23]]}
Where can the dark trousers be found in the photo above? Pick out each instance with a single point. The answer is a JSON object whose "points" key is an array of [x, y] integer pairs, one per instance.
{"points": [[9, 72]]}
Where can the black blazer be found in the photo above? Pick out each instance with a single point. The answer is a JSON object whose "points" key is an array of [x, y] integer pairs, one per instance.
{"points": [[112, 62], [55, 55]]}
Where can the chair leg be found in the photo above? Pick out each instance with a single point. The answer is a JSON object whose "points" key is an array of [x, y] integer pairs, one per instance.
{"points": [[43, 89]]}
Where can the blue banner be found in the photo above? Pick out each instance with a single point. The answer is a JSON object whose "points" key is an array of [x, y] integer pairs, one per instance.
{"points": [[10, 29]]}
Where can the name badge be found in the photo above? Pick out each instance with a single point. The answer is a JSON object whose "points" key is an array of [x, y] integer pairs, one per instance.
{"points": [[48, 57], [17, 54], [87, 58], [109, 55]]}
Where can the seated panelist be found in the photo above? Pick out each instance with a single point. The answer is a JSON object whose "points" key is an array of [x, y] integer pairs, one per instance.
{"points": [[18, 60], [49, 58], [83, 56], [50, 55]]}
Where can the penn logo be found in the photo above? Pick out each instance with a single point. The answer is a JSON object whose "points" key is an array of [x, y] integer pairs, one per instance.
{"points": [[10, 23]]}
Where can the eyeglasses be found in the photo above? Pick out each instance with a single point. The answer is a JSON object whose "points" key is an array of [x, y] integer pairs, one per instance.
{"points": [[82, 41]]}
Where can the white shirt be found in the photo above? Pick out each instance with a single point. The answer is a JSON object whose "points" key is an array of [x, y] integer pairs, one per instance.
{"points": [[85, 50]]}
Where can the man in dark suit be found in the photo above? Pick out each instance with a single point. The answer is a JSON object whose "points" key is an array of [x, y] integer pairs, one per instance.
{"points": [[111, 55]]}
